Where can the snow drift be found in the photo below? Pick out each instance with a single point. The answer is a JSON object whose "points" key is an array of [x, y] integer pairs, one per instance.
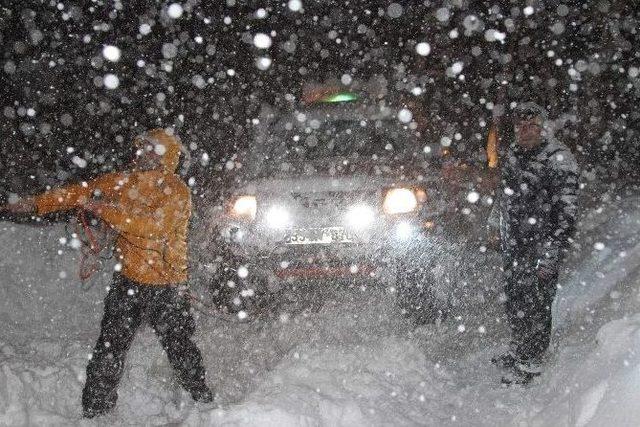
{"points": [[352, 361]]}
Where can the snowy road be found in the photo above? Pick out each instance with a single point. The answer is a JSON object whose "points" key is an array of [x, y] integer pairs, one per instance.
{"points": [[353, 362]]}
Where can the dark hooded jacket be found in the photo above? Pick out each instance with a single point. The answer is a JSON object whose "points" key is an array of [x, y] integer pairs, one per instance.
{"points": [[538, 203]]}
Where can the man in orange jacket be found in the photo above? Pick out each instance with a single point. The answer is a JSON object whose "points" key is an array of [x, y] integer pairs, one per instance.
{"points": [[149, 208]]}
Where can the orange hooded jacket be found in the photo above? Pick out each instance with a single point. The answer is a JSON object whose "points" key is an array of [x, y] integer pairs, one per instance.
{"points": [[150, 211]]}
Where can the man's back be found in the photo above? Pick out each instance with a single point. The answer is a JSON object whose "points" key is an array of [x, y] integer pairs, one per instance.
{"points": [[150, 210], [152, 217]]}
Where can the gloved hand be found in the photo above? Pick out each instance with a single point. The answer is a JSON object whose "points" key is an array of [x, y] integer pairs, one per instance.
{"points": [[546, 269], [22, 206]]}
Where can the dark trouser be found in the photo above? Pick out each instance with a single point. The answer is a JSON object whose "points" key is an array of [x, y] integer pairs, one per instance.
{"points": [[528, 307], [125, 306]]}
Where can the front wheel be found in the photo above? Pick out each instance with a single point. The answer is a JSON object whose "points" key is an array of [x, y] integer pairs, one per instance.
{"points": [[236, 292], [415, 295]]}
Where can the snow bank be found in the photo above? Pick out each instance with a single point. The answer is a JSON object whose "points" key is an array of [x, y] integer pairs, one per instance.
{"points": [[40, 383], [352, 361], [607, 257], [358, 385], [40, 292], [601, 387]]}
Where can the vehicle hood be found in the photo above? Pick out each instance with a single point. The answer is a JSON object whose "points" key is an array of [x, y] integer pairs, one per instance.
{"points": [[385, 170]]}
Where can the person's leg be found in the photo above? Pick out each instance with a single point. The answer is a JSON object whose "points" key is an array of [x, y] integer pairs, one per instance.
{"points": [[541, 319], [528, 307], [121, 319], [171, 318]]}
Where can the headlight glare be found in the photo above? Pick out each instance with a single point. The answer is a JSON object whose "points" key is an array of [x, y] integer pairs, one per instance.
{"points": [[399, 201], [360, 216], [245, 207], [404, 231], [277, 217]]}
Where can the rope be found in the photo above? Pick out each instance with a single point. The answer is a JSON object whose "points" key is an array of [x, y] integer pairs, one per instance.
{"points": [[89, 260], [95, 244]]}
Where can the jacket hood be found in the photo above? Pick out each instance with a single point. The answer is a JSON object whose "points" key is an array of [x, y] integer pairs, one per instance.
{"points": [[531, 108], [164, 144]]}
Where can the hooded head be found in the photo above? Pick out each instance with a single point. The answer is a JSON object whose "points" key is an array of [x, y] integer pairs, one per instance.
{"points": [[528, 110], [157, 149], [529, 121]]}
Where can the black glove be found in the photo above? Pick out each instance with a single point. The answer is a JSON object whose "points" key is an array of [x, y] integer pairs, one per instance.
{"points": [[546, 268]]}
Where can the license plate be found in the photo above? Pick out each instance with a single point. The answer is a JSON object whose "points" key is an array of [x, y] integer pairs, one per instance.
{"points": [[310, 236]]}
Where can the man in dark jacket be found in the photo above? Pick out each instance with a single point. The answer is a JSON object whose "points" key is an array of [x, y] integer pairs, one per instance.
{"points": [[538, 213]]}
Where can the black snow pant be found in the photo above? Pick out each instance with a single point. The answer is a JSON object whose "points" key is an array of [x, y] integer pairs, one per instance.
{"points": [[127, 304], [528, 306]]}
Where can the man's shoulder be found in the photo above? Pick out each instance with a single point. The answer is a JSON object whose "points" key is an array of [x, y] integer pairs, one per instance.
{"points": [[560, 157], [180, 184], [181, 189], [175, 182]]}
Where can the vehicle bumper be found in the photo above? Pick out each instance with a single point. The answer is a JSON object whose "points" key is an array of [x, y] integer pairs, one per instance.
{"points": [[372, 256]]}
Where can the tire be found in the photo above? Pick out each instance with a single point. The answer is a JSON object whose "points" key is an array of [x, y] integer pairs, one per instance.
{"points": [[233, 294], [415, 296]]}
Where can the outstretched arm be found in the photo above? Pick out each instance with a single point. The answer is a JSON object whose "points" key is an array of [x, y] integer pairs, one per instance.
{"points": [[22, 206], [76, 195]]}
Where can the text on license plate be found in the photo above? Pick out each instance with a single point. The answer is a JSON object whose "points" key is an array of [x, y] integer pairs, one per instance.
{"points": [[325, 235]]}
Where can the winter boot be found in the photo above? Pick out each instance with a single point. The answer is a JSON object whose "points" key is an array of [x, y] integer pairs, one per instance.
{"points": [[505, 360], [522, 372], [98, 408], [201, 393]]}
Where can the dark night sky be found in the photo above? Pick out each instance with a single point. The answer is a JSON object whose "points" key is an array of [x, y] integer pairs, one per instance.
{"points": [[580, 60]]}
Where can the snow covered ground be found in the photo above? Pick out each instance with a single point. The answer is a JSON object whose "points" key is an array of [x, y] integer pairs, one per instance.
{"points": [[354, 361]]}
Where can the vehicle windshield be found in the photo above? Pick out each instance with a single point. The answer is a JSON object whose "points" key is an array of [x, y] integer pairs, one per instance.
{"points": [[315, 140]]}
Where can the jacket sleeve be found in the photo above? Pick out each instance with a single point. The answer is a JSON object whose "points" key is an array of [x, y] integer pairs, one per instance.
{"points": [[563, 213], [154, 224], [76, 195]]}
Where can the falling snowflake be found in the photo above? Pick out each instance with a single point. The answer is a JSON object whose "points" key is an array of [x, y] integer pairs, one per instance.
{"points": [[423, 48], [175, 10], [473, 197], [144, 29], [243, 272], [262, 41], [394, 10], [111, 81], [78, 161], [456, 68], [405, 116], [263, 63], [295, 5], [445, 141], [111, 53]]}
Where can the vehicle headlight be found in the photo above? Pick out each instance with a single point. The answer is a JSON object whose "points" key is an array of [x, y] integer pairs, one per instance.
{"points": [[277, 217], [399, 200], [404, 231], [360, 216], [245, 207]]}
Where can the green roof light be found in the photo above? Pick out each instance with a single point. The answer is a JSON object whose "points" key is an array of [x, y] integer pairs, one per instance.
{"points": [[340, 97]]}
